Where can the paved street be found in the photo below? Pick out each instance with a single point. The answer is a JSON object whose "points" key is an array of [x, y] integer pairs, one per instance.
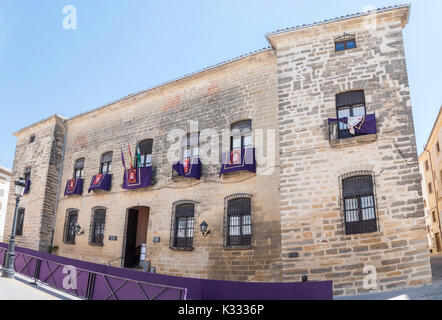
{"points": [[23, 289], [429, 292]]}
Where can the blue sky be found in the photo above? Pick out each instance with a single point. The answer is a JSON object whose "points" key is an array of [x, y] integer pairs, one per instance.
{"points": [[121, 47]]}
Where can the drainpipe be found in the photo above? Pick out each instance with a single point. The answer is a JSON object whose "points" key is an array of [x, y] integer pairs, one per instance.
{"points": [[436, 194], [59, 182]]}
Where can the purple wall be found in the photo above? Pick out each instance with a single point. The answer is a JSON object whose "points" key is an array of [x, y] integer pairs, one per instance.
{"points": [[197, 289]]}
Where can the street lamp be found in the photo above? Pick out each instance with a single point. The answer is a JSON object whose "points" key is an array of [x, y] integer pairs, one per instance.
{"points": [[203, 228], [8, 271]]}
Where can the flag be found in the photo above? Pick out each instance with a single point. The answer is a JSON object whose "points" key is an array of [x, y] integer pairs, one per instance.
{"points": [[138, 156], [122, 159], [130, 156]]}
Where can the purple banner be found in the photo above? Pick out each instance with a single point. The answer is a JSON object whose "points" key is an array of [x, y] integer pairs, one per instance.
{"points": [[74, 187], [27, 186], [238, 160], [101, 182], [366, 126], [137, 178], [189, 168]]}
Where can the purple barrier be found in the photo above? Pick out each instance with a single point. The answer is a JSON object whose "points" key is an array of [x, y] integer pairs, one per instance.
{"points": [[119, 283]]}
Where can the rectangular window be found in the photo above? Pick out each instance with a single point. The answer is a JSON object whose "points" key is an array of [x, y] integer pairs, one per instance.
{"points": [[241, 135], [20, 222], [434, 216], [349, 104], [146, 153], [97, 229], [190, 147], [345, 43], [79, 169], [184, 225], [106, 163], [239, 220], [27, 174], [359, 205], [427, 166], [70, 225], [430, 188]]}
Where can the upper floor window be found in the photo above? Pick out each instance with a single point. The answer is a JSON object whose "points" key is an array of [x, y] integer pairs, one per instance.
{"points": [[359, 203], [70, 226], [238, 221], [20, 221], [347, 41], [427, 166], [190, 146], [27, 174], [241, 135], [106, 163], [146, 152], [97, 226], [183, 225], [349, 104], [437, 147], [430, 188], [32, 139], [79, 169]]}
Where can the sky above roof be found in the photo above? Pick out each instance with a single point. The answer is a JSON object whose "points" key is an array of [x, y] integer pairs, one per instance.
{"points": [[122, 47]]}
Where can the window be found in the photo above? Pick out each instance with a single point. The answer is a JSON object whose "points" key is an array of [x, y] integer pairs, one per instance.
{"points": [[430, 188], [32, 139], [359, 203], [70, 225], [241, 135], [238, 221], [20, 220], [434, 216], [349, 104], [146, 152], [79, 169], [427, 166], [345, 42], [183, 225], [106, 163], [27, 174], [190, 147], [97, 227], [437, 147]]}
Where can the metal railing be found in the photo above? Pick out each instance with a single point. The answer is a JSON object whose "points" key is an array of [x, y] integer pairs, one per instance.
{"points": [[88, 284], [338, 130]]}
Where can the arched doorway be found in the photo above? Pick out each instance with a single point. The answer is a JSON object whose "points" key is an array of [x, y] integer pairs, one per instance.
{"points": [[137, 219]]}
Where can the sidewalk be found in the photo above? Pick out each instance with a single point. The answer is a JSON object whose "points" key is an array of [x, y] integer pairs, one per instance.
{"points": [[22, 288]]}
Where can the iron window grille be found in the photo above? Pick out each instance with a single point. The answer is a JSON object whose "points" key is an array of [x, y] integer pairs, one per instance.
{"points": [[241, 135], [146, 152], [106, 163], [20, 222], [345, 42], [349, 104], [238, 221], [358, 202], [97, 227], [182, 225], [79, 169], [69, 226]]}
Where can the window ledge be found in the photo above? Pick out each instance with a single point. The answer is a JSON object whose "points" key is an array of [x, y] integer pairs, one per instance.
{"points": [[96, 244], [354, 141], [239, 248], [182, 249]]}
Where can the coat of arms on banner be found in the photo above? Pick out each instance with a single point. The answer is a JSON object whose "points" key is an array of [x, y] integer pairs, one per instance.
{"points": [[235, 157], [132, 176], [71, 186], [186, 164], [97, 179]]}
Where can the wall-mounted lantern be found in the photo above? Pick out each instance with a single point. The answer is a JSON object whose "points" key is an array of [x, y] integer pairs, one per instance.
{"points": [[204, 229]]}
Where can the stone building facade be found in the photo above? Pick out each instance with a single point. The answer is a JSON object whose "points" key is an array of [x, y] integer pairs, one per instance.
{"points": [[301, 224], [5, 180], [430, 164]]}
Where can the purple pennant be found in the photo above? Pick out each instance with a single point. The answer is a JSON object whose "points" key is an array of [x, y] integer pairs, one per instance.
{"points": [[27, 186]]}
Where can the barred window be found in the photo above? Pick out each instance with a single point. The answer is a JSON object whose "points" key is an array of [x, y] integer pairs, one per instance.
{"points": [[79, 169], [106, 163], [241, 135], [183, 225], [349, 104], [27, 174], [20, 221], [345, 42], [145, 147], [238, 222], [359, 204], [97, 227], [69, 227]]}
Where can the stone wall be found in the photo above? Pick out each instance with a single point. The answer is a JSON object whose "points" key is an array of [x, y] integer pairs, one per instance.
{"points": [[243, 89], [310, 74]]}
